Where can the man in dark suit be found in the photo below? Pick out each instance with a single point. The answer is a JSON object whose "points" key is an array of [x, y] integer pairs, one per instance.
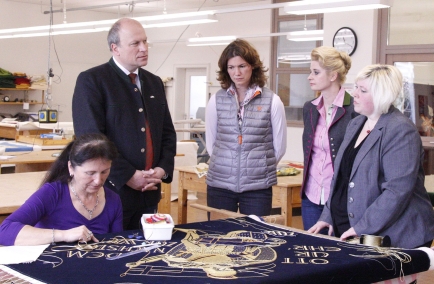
{"points": [[128, 104]]}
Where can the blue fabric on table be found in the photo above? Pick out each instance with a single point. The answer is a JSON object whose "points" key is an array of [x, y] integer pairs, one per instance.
{"points": [[15, 147], [240, 250]]}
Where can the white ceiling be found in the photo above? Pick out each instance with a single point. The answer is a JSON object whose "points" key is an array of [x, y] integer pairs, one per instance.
{"points": [[140, 6]]}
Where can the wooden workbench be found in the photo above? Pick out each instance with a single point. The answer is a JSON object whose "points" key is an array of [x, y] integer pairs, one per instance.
{"points": [[34, 161], [15, 189], [286, 194], [12, 132]]}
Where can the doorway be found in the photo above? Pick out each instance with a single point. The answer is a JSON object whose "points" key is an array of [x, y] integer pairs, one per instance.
{"points": [[418, 73], [191, 98]]}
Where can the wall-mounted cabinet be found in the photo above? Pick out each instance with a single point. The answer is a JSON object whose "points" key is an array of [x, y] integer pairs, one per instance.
{"points": [[10, 96]]}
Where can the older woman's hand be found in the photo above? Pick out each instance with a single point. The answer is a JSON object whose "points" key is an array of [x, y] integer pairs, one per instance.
{"points": [[319, 226], [78, 234]]}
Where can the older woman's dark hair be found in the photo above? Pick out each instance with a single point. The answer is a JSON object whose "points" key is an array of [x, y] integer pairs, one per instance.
{"points": [[246, 51], [84, 148]]}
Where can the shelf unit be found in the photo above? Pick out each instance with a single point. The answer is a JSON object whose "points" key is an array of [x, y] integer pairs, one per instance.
{"points": [[25, 96]]}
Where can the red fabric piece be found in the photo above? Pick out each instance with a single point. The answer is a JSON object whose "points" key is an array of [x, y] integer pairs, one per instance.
{"points": [[21, 80]]}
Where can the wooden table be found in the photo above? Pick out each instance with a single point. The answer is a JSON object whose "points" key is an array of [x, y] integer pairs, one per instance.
{"points": [[166, 194], [12, 132], [286, 193], [34, 161], [15, 189]]}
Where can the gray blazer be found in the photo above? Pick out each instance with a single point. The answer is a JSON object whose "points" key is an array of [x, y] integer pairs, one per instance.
{"points": [[386, 192]]}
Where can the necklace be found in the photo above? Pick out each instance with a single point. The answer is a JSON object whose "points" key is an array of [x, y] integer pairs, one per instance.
{"points": [[369, 128], [81, 202]]}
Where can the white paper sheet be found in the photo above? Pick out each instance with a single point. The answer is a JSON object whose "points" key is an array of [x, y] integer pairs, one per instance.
{"points": [[20, 254], [5, 157]]}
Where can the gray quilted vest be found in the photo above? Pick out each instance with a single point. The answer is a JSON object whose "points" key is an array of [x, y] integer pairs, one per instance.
{"points": [[243, 157]]}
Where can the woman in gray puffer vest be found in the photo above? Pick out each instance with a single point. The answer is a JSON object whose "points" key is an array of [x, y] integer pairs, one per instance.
{"points": [[245, 134]]}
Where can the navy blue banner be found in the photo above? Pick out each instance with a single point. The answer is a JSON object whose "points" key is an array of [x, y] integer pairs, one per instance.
{"points": [[240, 250]]}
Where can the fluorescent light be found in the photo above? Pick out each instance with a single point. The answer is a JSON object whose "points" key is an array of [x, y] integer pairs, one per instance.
{"points": [[58, 27], [311, 38], [212, 38], [296, 57], [208, 43], [201, 19], [319, 7], [311, 35], [225, 40], [167, 20], [46, 33]]}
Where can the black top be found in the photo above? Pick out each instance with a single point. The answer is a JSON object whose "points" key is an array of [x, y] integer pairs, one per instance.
{"points": [[338, 204]]}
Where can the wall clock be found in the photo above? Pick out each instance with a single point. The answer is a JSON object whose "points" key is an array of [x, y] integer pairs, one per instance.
{"points": [[345, 39]]}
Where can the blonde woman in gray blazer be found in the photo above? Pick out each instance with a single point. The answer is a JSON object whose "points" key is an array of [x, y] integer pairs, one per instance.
{"points": [[378, 183]]}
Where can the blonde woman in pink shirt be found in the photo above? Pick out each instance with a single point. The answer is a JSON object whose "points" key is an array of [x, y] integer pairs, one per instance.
{"points": [[325, 120]]}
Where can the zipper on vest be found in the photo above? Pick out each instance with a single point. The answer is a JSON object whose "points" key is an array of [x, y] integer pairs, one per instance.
{"points": [[240, 139]]}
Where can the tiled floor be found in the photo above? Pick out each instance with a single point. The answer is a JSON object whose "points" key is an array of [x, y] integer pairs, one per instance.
{"points": [[195, 215]]}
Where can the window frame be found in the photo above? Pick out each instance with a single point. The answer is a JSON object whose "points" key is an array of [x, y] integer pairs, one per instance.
{"points": [[274, 70]]}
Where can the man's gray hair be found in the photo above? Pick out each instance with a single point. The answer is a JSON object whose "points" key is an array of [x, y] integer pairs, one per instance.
{"points": [[113, 34]]}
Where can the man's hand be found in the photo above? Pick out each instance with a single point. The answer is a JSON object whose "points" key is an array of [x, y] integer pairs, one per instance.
{"points": [[158, 173], [146, 180]]}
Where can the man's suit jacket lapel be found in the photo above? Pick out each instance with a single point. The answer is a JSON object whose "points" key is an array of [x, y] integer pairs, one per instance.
{"points": [[119, 71]]}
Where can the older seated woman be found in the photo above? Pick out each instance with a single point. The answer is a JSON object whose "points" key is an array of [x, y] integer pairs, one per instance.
{"points": [[72, 203], [378, 183]]}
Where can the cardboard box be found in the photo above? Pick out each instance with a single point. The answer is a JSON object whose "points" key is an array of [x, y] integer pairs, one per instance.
{"points": [[157, 232]]}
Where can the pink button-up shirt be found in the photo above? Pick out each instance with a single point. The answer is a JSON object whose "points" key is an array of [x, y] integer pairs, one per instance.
{"points": [[320, 174]]}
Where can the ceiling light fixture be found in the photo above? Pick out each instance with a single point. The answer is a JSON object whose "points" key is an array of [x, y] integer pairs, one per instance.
{"points": [[225, 40], [305, 35], [209, 43], [97, 26], [320, 7], [296, 7], [183, 21], [214, 40], [311, 35], [167, 20]]}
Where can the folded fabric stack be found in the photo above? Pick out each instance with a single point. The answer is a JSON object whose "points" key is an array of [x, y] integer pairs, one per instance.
{"points": [[6, 79], [21, 81], [38, 82]]}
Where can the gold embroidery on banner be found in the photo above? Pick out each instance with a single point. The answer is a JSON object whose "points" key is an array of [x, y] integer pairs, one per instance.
{"points": [[382, 252], [217, 255], [312, 261], [241, 253], [287, 260]]}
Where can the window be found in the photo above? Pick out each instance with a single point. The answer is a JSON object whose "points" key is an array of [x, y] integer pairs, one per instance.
{"points": [[290, 65]]}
